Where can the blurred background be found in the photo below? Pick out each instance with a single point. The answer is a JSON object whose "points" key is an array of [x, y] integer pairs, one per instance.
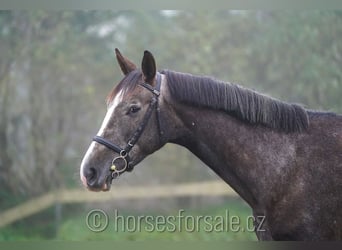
{"points": [[56, 69]]}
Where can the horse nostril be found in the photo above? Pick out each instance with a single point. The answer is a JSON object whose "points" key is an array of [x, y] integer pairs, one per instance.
{"points": [[91, 176]]}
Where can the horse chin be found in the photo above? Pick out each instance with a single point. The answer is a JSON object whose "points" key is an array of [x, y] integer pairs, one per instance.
{"points": [[107, 184], [106, 187]]}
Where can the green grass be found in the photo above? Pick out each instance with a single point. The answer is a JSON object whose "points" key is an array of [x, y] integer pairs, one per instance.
{"points": [[189, 226], [218, 227]]}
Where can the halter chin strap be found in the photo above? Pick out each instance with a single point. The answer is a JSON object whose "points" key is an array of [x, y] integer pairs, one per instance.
{"points": [[123, 152]]}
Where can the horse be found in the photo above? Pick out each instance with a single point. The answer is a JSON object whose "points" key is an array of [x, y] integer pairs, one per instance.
{"points": [[284, 160]]}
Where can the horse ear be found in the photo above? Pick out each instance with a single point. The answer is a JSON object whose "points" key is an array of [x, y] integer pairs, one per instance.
{"points": [[148, 67], [126, 65]]}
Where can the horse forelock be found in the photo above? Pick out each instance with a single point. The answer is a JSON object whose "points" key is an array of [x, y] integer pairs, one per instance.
{"points": [[126, 85]]}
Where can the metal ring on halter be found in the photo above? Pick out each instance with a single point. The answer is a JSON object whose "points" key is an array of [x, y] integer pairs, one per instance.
{"points": [[125, 161], [123, 153]]}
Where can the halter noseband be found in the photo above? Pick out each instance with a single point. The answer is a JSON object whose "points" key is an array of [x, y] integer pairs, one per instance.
{"points": [[123, 152]]}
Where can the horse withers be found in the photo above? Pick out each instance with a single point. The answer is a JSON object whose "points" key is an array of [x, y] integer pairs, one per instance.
{"points": [[283, 160]]}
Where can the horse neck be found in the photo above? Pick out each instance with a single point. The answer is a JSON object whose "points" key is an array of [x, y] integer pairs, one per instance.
{"points": [[239, 153]]}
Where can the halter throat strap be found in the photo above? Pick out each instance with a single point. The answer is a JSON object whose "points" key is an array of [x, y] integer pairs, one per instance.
{"points": [[156, 92]]}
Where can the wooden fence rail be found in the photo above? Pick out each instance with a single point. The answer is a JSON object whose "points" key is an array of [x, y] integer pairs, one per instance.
{"points": [[212, 188]]}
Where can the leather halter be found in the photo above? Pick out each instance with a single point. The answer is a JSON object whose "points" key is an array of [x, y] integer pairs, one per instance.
{"points": [[124, 152]]}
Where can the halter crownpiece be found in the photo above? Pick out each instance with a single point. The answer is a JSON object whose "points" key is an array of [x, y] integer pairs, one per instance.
{"points": [[123, 152]]}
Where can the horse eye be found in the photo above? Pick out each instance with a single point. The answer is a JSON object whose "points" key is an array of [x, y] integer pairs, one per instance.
{"points": [[133, 109]]}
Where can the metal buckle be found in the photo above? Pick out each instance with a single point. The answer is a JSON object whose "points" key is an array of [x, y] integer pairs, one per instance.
{"points": [[130, 143], [156, 92]]}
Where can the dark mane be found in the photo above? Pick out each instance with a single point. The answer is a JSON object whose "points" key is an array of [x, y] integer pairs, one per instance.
{"points": [[245, 104]]}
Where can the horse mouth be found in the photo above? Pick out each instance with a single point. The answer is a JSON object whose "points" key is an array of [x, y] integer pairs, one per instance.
{"points": [[104, 187]]}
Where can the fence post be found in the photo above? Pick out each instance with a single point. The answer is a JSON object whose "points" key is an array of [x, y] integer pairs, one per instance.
{"points": [[58, 216]]}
